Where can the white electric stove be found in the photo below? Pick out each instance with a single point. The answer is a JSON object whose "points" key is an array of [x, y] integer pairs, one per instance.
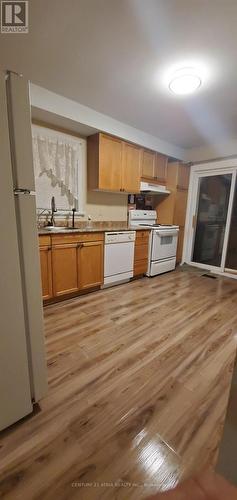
{"points": [[162, 242]]}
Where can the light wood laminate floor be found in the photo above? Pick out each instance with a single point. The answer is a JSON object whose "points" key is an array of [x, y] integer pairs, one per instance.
{"points": [[139, 378]]}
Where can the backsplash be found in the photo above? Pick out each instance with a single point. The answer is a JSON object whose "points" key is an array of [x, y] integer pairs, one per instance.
{"points": [[80, 222]]}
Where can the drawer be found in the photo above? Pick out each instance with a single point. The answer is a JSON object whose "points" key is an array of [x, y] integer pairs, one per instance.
{"points": [[141, 236], [44, 240], [60, 239], [141, 252], [140, 267]]}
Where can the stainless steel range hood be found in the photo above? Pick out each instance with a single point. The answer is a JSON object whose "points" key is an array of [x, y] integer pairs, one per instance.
{"points": [[149, 187]]}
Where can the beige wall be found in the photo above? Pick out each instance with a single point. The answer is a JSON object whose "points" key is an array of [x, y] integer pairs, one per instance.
{"points": [[106, 206]]}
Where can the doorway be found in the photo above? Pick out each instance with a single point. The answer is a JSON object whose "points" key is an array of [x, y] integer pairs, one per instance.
{"points": [[211, 229]]}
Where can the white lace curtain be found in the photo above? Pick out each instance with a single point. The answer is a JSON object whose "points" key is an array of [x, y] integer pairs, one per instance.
{"points": [[57, 158]]}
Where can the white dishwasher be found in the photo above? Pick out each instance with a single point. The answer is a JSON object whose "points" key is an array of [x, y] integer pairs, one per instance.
{"points": [[118, 257]]}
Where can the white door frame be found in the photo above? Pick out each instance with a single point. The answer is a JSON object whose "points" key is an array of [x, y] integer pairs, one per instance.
{"points": [[206, 169]]}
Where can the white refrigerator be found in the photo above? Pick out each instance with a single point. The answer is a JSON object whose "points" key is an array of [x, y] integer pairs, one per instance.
{"points": [[23, 375]]}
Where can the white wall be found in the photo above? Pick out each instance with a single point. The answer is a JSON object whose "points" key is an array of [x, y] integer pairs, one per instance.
{"points": [[212, 152], [59, 105], [43, 99]]}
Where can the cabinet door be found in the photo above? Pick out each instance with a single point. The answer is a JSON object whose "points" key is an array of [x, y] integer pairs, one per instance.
{"points": [[46, 272], [65, 268], [166, 209], [131, 168], [110, 163], [141, 252], [160, 172], [148, 164], [183, 176], [90, 264], [180, 208]]}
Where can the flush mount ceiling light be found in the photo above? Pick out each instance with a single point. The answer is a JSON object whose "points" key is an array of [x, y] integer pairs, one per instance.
{"points": [[184, 81]]}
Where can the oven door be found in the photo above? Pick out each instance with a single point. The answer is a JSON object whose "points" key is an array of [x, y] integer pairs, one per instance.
{"points": [[164, 243]]}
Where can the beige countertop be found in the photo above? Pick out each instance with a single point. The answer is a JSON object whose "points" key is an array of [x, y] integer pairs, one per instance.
{"points": [[44, 231]]}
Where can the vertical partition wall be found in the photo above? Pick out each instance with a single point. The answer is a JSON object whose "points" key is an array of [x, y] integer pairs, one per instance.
{"points": [[211, 222]]}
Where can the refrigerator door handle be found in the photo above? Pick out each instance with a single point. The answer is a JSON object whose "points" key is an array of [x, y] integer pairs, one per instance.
{"points": [[23, 191]]}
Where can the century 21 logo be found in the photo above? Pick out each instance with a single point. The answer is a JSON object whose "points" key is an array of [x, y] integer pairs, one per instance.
{"points": [[14, 17]]}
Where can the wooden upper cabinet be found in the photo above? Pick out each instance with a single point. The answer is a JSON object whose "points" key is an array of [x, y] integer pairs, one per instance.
{"points": [[131, 168], [46, 267], [118, 166], [178, 176], [154, 166], [104, 161], [113, 164], [183, 176], [91, 256], [148, 164], [160, 170], [65, 268], [110, 159]]}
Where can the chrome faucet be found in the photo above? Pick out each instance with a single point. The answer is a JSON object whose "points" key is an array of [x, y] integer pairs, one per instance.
{"points": [[53, 210]]}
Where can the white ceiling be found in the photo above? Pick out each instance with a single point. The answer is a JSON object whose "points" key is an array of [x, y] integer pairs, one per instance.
{"points": [[113, 55]]}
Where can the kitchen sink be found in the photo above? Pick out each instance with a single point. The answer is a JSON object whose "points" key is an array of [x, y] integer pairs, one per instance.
{"points": [[60, 228], [55, 228]]}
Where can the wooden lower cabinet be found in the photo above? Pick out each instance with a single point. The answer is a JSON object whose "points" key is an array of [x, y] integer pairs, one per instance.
{"points": [[91, 256], [46, 271], [65, 269], [140, 267], [141, 253], [71, 263]]}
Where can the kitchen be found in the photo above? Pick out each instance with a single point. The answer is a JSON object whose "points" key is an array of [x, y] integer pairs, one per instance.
{"points": [[114, 262], [120, 270]]}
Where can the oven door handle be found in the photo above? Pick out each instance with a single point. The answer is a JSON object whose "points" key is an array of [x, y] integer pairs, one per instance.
{"points": [[168, 232]]}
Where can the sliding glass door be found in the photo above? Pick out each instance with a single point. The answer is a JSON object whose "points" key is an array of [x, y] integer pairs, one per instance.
{"points": [[210, 220], [231, 253]]}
